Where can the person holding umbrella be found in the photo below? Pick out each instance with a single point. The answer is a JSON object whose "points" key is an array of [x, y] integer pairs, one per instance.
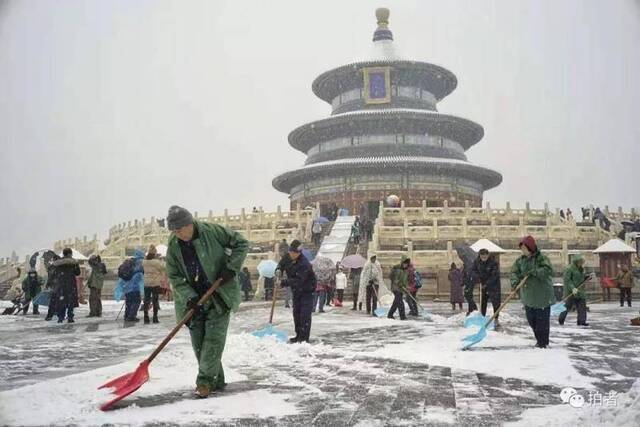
{"points": [[199, 254], [354, 276], [302, 281], [341, 283]]}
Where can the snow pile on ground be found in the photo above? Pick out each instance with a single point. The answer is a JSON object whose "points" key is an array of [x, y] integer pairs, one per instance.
{"points": [[499, 354], [74, 399], [457, 319], [626, 412]]}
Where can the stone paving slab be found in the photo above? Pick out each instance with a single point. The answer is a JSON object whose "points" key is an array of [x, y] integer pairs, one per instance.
{"points": [[382, 392]]}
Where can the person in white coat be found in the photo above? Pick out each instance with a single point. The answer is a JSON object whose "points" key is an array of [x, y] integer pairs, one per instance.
{"points": [[372, 285], [341, 284]]}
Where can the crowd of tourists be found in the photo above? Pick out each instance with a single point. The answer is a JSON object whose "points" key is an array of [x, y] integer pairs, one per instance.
{"points": [[204, 265]]}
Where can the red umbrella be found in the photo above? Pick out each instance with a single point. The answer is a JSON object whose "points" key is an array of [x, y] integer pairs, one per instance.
{"points": [[353, 261]]}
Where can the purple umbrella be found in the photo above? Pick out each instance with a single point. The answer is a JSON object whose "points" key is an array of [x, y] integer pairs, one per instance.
{"points": [[353, 261], [308, 254]]}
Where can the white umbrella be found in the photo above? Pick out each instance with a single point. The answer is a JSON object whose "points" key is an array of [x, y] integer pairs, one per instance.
{"points": [[162, 250], [488, 245]]}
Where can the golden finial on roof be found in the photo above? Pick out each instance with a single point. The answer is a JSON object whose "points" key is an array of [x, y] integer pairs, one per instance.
{"points": [[382, 14]]}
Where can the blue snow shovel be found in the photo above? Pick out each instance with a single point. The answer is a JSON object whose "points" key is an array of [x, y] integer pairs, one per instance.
{"points": [[43, 298], [560, 307], [380, 311], [270, 330], [476, 318], [474, 339]]}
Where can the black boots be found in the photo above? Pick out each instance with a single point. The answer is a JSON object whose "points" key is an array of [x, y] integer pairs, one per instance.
{"points": [[147, 320]]}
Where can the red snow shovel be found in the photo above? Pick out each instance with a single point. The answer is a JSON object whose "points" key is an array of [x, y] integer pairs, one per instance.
{"points": [[128, 383]]}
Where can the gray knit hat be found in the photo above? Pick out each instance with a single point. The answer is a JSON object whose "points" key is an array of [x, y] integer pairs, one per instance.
{"points": [[178, 217]]}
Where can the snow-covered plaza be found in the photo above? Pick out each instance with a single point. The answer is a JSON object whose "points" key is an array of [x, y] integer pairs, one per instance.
{"points": [[358, 370]]}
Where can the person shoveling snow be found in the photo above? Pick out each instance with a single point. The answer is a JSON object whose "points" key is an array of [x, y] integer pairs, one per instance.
{"points": [[198, 253]]}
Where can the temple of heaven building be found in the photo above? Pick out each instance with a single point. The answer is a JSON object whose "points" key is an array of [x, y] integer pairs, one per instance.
{"points": [[385, 136]]}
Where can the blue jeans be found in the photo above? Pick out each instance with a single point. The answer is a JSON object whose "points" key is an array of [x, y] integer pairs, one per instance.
{"points": [[319, 298], [132, 304]]}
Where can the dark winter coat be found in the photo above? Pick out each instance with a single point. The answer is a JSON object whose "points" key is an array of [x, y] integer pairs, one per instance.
{"points": [[487, 273], [65, 290], [300, 276], [455, 280], [468, 257], [355, 280], [245, 281], [32, 285]]}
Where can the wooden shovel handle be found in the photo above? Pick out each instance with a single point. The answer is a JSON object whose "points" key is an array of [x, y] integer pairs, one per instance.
{"points": [[565, 299], [273, 301], [185, 319], [509, 297]]}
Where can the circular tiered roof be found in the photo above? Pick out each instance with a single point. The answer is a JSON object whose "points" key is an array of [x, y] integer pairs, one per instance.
{"points": [[399, 110], [432, 78], [389, 120], [438, 166]]}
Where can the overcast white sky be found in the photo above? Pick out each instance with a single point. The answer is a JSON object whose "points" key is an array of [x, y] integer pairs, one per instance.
{"points": [[114, 110]]}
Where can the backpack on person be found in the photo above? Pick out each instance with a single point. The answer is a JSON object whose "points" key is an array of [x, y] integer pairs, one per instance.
{"points": [[417, 279], [127, 269]]}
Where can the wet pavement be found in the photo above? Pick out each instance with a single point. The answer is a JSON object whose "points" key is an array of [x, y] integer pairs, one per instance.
{"points": [[334, 390]]}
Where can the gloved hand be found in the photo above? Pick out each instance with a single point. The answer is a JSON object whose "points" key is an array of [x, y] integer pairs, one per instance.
{"points": [[192, 303], [574, 292], [227, 275]]}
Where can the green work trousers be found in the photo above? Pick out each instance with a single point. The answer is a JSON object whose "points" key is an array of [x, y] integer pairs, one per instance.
{"points": [[208, 336]]}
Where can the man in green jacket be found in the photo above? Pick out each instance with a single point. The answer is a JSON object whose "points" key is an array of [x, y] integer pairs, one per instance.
{"points": [[399, 283], [573, 284], [537, 292], [198, 254], [31, 286]]}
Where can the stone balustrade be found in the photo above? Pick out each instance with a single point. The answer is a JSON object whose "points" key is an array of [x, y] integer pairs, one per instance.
{"points": [[428, 226], [263, 229]]}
